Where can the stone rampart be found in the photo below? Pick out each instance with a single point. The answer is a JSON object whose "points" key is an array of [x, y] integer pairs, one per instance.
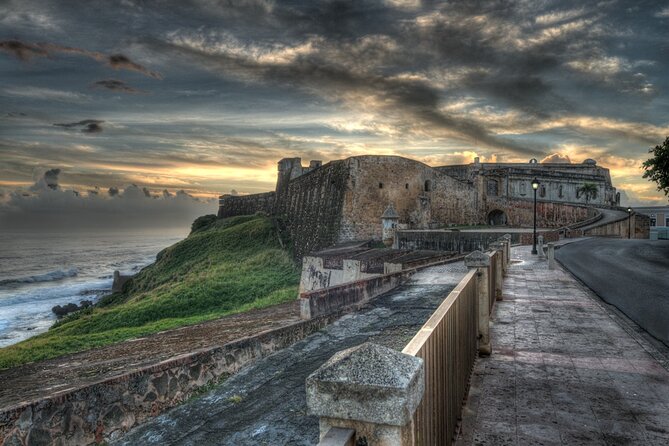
{"points": [[462, 242], [520, 212], [330, 300], [312, 207], [231, 205], [102, 411]]}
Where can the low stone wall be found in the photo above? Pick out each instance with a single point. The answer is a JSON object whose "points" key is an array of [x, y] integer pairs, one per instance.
{"points": [[104, 410], [329, 300], [231, 205], [640, 226], [456, 241], [440, 240], [337, 298]]}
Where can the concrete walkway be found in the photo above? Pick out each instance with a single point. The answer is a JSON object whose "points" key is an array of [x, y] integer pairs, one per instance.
{"points": [[265, 403], [565, 369]]}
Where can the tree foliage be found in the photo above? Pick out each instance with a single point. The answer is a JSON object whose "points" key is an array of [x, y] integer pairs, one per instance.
{"points": [[657, 167], [589, 190]]}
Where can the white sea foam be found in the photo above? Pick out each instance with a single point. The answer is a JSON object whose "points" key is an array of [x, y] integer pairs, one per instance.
{"points": [[40, 271], [48, 277]]}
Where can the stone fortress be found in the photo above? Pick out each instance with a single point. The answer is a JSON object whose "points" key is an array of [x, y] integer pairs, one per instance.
{"points": [[344, 200]]}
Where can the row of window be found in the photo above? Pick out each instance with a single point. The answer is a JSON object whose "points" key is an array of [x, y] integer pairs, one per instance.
{"points": [[653, 221], [427, 186]]}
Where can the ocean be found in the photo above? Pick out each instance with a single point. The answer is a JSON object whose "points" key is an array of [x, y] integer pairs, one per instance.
{"points": [[41, 270]]}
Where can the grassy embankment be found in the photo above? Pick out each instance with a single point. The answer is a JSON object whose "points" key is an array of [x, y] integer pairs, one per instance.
{"points": [[227, 266]]}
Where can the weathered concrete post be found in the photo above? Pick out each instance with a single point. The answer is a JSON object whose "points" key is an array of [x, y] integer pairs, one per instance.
{"points": [[371, 389], [508, 248], [499, 270], [481, 262], [540, 241], [551, 256]]}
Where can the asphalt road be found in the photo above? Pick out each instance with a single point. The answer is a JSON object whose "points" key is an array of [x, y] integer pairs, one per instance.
{"points": [[632, 275]]}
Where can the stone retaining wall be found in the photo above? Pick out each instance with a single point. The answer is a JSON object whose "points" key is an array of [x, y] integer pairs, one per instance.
{"points": [[104, 410], [332, 299]]}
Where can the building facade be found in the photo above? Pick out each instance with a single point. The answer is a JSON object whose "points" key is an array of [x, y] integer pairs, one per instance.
{"points": [[659, 220], [345, 200]]}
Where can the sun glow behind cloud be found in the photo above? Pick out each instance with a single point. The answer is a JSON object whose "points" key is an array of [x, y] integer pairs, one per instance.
{"points": [[210, 95]]}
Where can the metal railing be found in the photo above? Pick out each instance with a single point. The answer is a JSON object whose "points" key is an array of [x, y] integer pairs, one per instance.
{"points": [[447, 343]]}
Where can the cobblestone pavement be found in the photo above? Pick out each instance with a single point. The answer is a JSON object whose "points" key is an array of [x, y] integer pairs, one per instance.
{"points": [[565, 369]]}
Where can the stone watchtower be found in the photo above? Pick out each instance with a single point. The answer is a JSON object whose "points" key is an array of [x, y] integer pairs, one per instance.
{"points": [[389, 221]]}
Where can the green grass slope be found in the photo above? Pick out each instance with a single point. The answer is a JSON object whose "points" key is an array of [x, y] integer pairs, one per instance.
{"points": [[227, 266]]}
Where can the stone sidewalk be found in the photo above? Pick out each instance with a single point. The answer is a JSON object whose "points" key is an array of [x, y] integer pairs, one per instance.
{"points": [[566, 369]]}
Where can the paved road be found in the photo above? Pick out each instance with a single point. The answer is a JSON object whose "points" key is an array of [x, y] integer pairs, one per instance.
{"points": [[608, 216], [633, 275], [265, 404]]}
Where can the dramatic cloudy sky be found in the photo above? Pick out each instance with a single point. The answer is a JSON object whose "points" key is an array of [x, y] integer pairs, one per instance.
{"points": [[205, 96]]}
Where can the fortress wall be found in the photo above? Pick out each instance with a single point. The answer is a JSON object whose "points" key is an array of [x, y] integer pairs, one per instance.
{"points": [[376, 182], [455, 202], [312, 207], [640, 226], [231, 205], [549, 215]]}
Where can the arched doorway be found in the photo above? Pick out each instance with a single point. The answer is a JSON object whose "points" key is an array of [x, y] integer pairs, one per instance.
{"points": [[496, 218]]}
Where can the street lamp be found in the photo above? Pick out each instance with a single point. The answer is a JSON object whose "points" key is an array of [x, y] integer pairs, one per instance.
{"points": [[629, 222], [535, 186]]}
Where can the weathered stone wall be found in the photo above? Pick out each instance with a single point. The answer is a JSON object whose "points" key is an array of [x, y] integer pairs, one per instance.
{"points": [[231, 205], [420, 195], [329, 300], [462, 242], [640, 226], [559, 182], [440, 240], [104, 410], [520, 212], [312, 207]]}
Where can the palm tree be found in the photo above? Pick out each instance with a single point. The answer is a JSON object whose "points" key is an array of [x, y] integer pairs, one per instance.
{"points": [[589, 190]]}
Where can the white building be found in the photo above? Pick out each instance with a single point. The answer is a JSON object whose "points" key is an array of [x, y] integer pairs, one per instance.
{"points": [[659, 220]]}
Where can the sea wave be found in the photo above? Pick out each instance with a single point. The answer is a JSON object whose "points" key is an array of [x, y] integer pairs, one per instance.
{"points": [[48, 277]]}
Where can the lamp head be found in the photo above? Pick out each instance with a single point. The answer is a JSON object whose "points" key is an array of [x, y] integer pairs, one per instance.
{"points": [[629, 210], [535, 184]]}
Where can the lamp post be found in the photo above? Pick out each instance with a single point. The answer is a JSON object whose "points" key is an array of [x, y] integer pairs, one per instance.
{"points": [[629, 222], [535, 186]]}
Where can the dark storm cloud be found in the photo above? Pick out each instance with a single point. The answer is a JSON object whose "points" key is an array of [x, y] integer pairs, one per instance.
{"points": [[116, 85], [21, 50], [119, 61], [414, 101], [85, 126], [25, 51], [250, 81]]}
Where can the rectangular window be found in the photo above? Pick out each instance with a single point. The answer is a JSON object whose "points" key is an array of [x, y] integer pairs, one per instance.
{"points": [[652, 222]]}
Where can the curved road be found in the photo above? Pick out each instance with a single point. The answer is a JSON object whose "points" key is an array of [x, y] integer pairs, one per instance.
{"points": [[632, 275]]}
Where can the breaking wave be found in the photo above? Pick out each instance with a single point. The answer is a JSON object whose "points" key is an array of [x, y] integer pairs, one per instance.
{"points": [[48, 277]]}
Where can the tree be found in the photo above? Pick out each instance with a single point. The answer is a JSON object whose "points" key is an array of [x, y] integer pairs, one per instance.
{"points": [[657, 168], [589, 190]]}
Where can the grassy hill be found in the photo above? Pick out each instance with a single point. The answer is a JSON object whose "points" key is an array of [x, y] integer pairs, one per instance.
{"points": [[223, 267]]}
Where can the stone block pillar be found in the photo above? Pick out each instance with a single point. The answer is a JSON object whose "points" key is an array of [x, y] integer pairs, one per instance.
{"points": [[540, 247], [508, 248], [499, 270], [551, 256], [371, 389], [481, 262]]}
